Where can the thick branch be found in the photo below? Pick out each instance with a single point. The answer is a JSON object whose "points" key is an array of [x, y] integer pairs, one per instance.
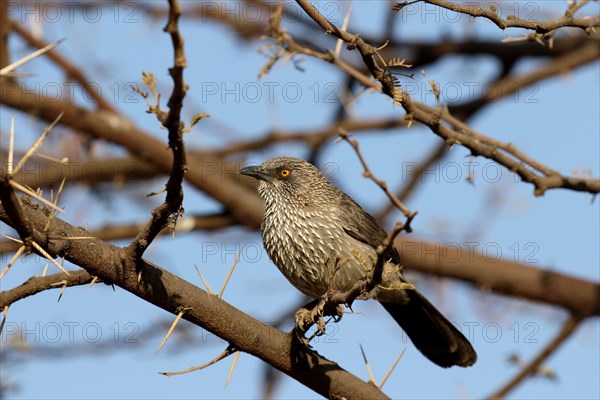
{"points": [[43, 173], [10, 201], [501, 276], [441, 259], [171, 293]]}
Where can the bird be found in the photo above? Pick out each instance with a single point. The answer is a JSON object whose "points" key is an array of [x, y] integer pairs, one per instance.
{"points": [[321, 239]]}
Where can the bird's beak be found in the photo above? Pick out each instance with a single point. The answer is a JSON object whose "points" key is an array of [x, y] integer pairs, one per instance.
{"points": [[257, 172]]}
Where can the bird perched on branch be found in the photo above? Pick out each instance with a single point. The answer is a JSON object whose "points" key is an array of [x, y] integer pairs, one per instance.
{"points": [[321, 239]]}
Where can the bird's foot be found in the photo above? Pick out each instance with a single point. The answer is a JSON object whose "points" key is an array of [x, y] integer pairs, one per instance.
{"points": [[306, 317], [314, 314]]}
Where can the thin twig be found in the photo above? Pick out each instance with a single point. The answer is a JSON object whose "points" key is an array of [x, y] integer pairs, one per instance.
{"points": [[37, 143], [171, 209], [566, 331], [381, 183], [39, 284], [540, 27], [414, 179]]}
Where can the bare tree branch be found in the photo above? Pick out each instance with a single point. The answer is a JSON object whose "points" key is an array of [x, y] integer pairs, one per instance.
{"points": [[566, 331], [502, 276], [172, 206], [37, 284], [415, 178], [10, 201], [381, 183], [45, 173], [490, 13], [447, 260], [506, 154], [171, 293], [214, 171]]}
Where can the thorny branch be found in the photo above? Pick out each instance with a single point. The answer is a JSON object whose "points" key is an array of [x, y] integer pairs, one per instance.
{"points": [[414, 179], [172, 293], [95, 124], [171, 209], [381, 183], [490, 13], [506, 154], [39, 284], [11, 203], [30, 238], [502, 277]]}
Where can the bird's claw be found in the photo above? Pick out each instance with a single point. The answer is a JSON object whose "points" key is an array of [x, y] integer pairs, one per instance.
{"points": [[305, 317]]}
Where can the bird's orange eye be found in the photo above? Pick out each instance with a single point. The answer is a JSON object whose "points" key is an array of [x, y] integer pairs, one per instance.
{"points": [[284, 173]]}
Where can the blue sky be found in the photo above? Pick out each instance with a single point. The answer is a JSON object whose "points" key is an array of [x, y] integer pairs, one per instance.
{"points": [[556, 123]]}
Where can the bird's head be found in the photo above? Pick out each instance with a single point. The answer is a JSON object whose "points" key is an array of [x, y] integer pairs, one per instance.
{"points": [[289, 179]]}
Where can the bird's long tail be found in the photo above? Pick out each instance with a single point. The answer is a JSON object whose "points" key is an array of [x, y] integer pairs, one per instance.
{"points": [[431, 332]]}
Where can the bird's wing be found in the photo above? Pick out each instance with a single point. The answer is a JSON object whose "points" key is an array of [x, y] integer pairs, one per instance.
{"points": [[361, 226]]}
